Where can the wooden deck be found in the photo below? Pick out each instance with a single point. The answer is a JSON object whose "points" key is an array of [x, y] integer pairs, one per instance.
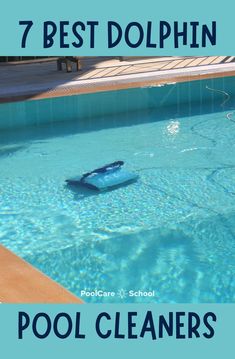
{"points": [[39, 80]]}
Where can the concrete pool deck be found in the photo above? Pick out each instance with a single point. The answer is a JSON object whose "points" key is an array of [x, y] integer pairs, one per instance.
{"points": [[37, 80]]}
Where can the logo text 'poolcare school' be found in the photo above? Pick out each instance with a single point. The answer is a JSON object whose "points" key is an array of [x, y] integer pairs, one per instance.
{"points": [[113, 35], [120, 293]]}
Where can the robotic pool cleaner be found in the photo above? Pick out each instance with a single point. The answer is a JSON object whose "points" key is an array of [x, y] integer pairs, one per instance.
{"points": [[104, 178]]}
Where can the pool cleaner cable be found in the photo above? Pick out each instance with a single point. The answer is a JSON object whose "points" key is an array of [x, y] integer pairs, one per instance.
{"points": [[227, 98], [229, 116]]}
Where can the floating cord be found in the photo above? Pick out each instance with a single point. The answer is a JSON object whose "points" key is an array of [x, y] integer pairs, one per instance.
{"points": [[211, 178], [191, 203], [229, 116], [194, 130], [171, 195], [227, 98]]}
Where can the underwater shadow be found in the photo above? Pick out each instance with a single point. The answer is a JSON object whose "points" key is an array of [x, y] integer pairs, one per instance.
{"points": [[81, 192], [11, 150]]}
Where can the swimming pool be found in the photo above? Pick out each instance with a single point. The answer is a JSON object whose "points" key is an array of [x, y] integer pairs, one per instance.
{"points": [[172, 232]]}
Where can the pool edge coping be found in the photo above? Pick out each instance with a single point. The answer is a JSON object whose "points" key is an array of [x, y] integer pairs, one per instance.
{"points": [[20, 282], [147, 79]]}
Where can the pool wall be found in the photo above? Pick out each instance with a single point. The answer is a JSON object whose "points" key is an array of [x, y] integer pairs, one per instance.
{"points": [[29, 113]]}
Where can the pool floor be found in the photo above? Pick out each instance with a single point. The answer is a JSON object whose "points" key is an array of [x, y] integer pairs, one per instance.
{"points": [[171, 232]]}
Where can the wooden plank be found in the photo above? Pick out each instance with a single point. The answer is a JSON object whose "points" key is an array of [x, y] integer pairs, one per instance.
{"points": [[184, 63], [219, 60], [208, 60]]}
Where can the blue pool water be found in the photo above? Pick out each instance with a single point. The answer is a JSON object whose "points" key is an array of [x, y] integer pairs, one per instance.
{"points": [[172, 232]]}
